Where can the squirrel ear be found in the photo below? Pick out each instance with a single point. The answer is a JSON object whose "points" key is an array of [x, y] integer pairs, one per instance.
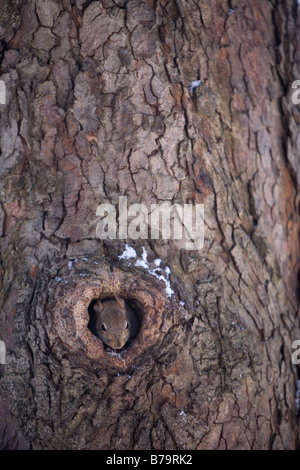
{"points": [[98, 307], [120, 302]]}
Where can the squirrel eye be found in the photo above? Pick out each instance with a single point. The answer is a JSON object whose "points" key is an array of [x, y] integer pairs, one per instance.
{"points": [[127, 326], [104, 327]]}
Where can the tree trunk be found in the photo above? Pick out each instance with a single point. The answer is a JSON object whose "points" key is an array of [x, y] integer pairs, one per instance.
{"points": [[156, 100]]}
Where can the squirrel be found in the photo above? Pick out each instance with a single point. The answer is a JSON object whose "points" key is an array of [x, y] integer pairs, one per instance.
{"points": [[115, 322]]}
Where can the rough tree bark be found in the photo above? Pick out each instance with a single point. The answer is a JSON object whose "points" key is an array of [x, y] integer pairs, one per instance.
{"points": [[99, 105]]}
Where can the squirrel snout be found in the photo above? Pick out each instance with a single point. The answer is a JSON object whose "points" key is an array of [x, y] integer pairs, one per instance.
{"points": [[118, 344]]}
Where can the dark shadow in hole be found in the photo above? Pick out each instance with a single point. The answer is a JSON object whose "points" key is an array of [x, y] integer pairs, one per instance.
{"points": [[131, 304]]}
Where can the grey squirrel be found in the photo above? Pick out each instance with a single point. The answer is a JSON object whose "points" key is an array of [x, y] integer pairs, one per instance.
{"points": [[115, 322]]}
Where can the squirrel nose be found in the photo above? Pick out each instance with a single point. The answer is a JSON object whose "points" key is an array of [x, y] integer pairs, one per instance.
{"points": [[118, 344]]}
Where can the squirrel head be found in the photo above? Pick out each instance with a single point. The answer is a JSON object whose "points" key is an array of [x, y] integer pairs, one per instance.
{"points": [[112, 325]]}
